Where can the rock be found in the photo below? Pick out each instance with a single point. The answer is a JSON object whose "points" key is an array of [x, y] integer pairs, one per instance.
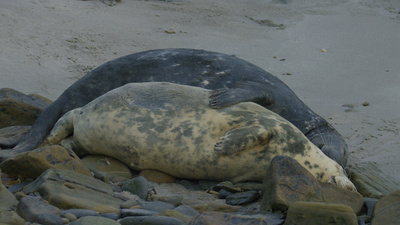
{"points": [[79, 212], [286, 182], [250, 186], [216, 207], [371, 181], [211, 218], [151, 220], [7, 199], [9, 136], [157, 206], [387, 210], [175, 214], [137, 186], [335, 194], [90, 220], [314, 213], [34, 209], [49, 219], [370, 204], [136, 212], [33, 163], [157, 176], [107, 166], [17, 108], [112, 216], [67, 189], [71, 217], [227, 186], [244, 197], [187, 210], [129, 204], [10, 218]]}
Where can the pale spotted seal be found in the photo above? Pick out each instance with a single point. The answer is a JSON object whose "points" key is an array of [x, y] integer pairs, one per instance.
{"points": [[233, 80], [172, 128]]}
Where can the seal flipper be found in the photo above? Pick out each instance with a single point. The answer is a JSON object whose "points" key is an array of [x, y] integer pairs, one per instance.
{"points": [[240, 139], [243, 92], [62, 129]]}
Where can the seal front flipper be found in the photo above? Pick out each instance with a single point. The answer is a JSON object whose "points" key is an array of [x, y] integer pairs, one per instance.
{"points": [[62, 129], [243, 92], [240, 139]]}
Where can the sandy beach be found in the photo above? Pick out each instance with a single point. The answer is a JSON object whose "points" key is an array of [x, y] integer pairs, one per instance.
{"points": [[340, 57]]}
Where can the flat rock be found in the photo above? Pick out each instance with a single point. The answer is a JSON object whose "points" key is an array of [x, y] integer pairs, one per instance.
{"points": [[371, 181], [286, 182], [175, 214], [338, 195], [91, 220], [17, 108], [106, 166], [33, 163], [157, 176], [67, 189], [10, 218], [7, 199], [314, 213], [151, 220], [31, 209], [387, 210], [211, 218], [244, 197], [9, 136]]}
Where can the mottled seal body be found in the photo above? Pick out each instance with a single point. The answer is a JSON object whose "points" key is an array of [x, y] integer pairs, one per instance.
{"points": [[232, 79], [172, 128]]}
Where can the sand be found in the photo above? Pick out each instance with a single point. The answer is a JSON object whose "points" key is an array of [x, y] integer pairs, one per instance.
{"points": [[337, 55]]}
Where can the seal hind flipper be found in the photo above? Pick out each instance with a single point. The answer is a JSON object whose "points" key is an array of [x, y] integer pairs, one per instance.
{"points": [[62, 129], [240, 139], [243, 92]]}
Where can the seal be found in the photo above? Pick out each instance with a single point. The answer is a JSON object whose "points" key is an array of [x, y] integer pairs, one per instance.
{"points": [[172, 128], [233, 80]]}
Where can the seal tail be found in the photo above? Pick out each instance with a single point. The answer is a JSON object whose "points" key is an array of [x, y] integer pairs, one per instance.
{"points": [[39, 130]]}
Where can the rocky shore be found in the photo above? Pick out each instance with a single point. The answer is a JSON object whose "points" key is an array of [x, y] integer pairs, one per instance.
{"points": [[55, 185]]}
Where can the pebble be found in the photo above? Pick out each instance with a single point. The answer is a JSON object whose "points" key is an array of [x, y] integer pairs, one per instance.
{"points": [[136, 212]]}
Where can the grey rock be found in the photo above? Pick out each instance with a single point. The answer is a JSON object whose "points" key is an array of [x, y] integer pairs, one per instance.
{"points": [[136, 212], [67, 189], [151, 220], [244, 197], [10, 218], [80, 212], [387, 210], [308, 213], [286, 182], [95, 220], [186, 210], [211, 218], [371, 181], [112, 216], [157, 206], [30, 208], [49, 219], [137, 186], [370, 204], [7, 200], [17, 108], [9, 136], [335, 194]]}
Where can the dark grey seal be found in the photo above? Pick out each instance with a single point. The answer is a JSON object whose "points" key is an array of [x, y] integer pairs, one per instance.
{"points": [[232, 79]]}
